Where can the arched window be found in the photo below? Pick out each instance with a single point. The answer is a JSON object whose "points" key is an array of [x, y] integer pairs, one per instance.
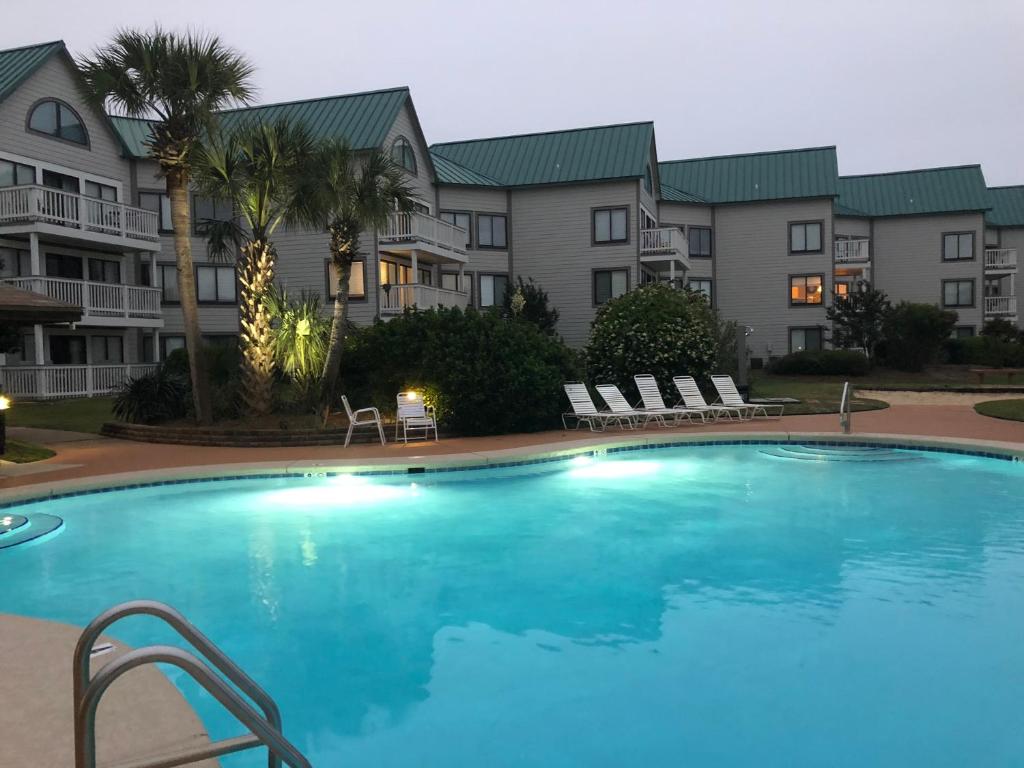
{"points": [[648, 180], [401, 153], [57, 119]]}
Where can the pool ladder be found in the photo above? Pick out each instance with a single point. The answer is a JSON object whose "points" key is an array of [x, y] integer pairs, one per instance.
{"points": [[845, 411], [264, 729]]}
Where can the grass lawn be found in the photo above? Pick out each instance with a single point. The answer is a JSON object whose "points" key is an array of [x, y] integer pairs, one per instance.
{"points": [[23, 453], [816, 394], [79, 415], [1012, 410]]}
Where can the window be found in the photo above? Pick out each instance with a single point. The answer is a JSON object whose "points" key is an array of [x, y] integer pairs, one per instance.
{"points": [[648, 179], [146, 351], [60, 181], [170, 344], [67, 350], [646, 220], [963, 332], [450, 282], [490, 231], [169, 283], [215, 285], [160, 204], [492, 290], [841, 290], [459, 219], [401, 153], [57, 119], [805, 289], [107, 349], [145, 274], [700, 286], [700, 242], [16, 174], [26, 351], [104, 271], [426, 276], [993, 286], [15, 262], [356, 280], [62, 265], [805, 339], [958, 246], [805, 237], [206, 210], [609, 283], [395, 274], [99, 191], [958, 293], [611, 225]]}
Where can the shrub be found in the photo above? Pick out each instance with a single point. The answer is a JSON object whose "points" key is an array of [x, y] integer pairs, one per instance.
{"points": [[914, 335], [222, 366], [858, 319], [653, 329], [161, 395], [829, 362], [484, 374], [529, 302], [985, 350], [1003, 329]]}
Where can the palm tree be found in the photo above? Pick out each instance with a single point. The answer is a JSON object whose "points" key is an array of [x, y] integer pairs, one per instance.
{"points": [[260, 168], [180, 82], [350, 194]]}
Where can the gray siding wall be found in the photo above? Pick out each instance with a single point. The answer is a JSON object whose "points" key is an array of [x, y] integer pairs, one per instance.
{"points": [[753, 265], [479, 200], [422, 182], [552, 244], [852, 227], [908, 261]]}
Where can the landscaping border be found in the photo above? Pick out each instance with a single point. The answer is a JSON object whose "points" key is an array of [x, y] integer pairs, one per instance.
{"points": [[227, 438]]}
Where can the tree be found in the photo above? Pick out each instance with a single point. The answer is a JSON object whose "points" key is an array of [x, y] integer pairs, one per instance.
{"points": [[858, 319], [180, 82], [349, 194], [529, 302], [260, 168], [1002, 329], [913, 334]]}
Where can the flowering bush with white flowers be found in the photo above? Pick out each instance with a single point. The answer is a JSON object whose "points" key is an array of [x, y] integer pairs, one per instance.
{"points": [[653, 329]]}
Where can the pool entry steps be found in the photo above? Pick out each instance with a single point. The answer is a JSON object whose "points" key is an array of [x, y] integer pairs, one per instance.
{"points": [[19, 529], [832, 453]]}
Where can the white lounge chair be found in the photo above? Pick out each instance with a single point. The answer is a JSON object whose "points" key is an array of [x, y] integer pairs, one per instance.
{"points": [[364, 417], [693, 399], [413, 415], [730, 396], [585, 412], [621, 407], [653, 402]]}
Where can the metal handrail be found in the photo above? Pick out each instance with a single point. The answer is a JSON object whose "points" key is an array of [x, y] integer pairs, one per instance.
{"points": [[83, 686], [845, 411]]}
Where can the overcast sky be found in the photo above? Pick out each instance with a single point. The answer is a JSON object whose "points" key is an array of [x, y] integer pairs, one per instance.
{"points": [[895, 85]]}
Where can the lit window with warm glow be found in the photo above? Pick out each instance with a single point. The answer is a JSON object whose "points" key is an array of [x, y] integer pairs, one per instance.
{"points": [[805, 289]]}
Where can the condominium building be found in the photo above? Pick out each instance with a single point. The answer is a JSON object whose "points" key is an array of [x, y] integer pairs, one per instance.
{"points": [[772, 238]]}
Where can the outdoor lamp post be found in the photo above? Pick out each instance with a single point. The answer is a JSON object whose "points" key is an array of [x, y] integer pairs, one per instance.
{"points": [[5, 403]]}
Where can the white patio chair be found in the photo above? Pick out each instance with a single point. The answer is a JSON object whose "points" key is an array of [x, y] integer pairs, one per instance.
{"points": [[730, 396], [653, 402], [693, 399], [585, 412], [364, 417], [413, 415], [621, 407]]}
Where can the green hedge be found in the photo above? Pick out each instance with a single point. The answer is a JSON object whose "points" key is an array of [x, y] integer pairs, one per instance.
{"points": [[985, 350], [830, 362]]}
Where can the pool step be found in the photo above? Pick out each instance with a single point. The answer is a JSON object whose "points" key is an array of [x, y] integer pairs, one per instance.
{"points": [[19, 529], [847, 453]]}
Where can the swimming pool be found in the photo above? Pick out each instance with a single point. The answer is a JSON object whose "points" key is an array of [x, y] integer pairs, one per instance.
{"points": [[727, 605]]}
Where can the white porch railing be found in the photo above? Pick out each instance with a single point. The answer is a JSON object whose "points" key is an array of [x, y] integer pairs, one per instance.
{"points": [[665, 240], [412, 227], [1001, 258], [399, 297], [95, 299], [54, 206], [46, 382], [1001, 305], [852, 252]]}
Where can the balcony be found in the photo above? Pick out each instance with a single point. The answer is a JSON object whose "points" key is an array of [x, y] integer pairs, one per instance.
{"points": [[400, 297], [75, 218], [48, 382], [103, 304], [407, 232], [852, 252], [1000, 306], [664, 248], [1000, 259]]}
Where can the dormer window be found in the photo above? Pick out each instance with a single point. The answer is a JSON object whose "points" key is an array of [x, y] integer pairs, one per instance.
{"points": [[401, 153], [57, 119]]}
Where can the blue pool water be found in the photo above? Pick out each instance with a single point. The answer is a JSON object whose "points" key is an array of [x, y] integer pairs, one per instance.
{"points": [[713, 606]]}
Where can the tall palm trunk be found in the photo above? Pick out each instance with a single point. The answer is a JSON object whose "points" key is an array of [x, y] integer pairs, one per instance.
{"points": [[255, 277], [177, 191], [343, 250]]}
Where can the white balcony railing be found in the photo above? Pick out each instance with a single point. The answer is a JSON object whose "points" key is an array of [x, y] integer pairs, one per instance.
{"points": [[45, 382], [1001, 306], [95, 299], [852, 252], [1001, 259], [419, 227], [663, 240], [402, 296], [33, 203]]}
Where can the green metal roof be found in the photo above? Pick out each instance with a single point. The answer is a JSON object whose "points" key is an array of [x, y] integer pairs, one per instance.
{"points": [[790, 173], [1007, 206], [450, 172], [18, 64], [908, 193], [672, 195], [558, 157], [362, 119]]}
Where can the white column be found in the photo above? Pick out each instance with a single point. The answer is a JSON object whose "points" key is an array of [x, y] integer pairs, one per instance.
{"points": [[154, 270], [156, 346], [462, 277], [672, 272], [415, 268], [37, 340], [33, 249]]}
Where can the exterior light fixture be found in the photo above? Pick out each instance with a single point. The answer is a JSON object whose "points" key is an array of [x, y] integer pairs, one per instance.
{"points": [[5, 403], [412, 394]]}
